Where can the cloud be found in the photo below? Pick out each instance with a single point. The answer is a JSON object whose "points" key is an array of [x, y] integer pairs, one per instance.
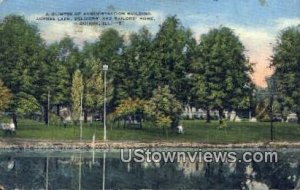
{"points": [[282, 23], [53, 31], [257, 41], [153, 25]]}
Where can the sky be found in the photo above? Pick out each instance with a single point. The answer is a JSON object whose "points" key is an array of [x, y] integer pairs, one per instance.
{"points": [[256, 22]]}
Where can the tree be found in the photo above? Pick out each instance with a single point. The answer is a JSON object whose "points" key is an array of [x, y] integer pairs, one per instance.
{"points": [[53, 79], [200, 90], [132, 109], [109, 48], [21, 59], [133, 74], [94, 96], [27, 104], [222, 72], [5, 95], [164, 108], [77, 93], [58, 78], [286, 61], [69, 55], [262, 103], [94, 85], [170, 60]]}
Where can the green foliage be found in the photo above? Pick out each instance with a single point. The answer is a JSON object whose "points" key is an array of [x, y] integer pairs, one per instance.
{"points": [[129, 107], [221, 71], [164, 108], [26, 104], [170, 57], [286, 61], [109, 49], [4, 118], [94, 85], [213, 74], [21, 58], [69, 55], [223, 125], [54, 119], [77, 93], [163, 121], [56, 77], [133, 76], [5, 95]]}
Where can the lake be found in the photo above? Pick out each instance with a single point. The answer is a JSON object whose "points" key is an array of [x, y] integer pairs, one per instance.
{"points": [[32, 169]]}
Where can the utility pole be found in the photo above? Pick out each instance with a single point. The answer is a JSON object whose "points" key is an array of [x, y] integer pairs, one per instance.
{"points": [[103, 170], [79, 172], [105, 68], [80, 117], [47, 171], [48, 108]]}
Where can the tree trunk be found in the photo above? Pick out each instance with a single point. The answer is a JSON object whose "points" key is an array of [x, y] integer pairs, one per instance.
{"points": [[190, 113], [141, 125], [207, 115], [220, 115], [46, 111], [281, 113], [57, 109], [165, 130], [174, 123], [14, 117], [298, 115], [140, 120], [85, 115]]}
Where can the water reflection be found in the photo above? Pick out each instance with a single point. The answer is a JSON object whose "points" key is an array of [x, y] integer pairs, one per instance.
{"points": [[79, 175], [47, 172], [103, 172], [79, 170]]}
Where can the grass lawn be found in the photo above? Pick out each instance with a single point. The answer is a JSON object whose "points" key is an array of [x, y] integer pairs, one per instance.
{"points": [[194, 131]]}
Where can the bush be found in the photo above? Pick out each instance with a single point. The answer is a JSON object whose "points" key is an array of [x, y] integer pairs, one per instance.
{"points": [[4, 118], [54, 119]]}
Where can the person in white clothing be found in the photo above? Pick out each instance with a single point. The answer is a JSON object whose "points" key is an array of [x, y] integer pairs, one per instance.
{"points": [[180, 129]]}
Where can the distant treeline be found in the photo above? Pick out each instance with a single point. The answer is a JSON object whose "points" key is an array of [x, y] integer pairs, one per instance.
{"points": [[212, 74]]}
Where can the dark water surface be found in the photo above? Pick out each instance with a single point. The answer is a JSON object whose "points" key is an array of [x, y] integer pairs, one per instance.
{"points": [[82, 170]]}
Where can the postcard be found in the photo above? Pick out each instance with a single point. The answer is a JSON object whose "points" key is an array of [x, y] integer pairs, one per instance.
{"points": [[149, 94]]}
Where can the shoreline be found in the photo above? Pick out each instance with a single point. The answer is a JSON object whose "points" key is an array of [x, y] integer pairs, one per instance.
{"points": [[33, 144]]}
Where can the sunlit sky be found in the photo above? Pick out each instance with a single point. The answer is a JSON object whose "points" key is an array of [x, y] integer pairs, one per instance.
{"points": [[256, 22]]}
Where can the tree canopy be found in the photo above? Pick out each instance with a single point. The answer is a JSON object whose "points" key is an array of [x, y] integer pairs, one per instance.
{"points": [[213, 73], [5, 95], [286, 61], [77, 95], [164, 108], [221, 71]]}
